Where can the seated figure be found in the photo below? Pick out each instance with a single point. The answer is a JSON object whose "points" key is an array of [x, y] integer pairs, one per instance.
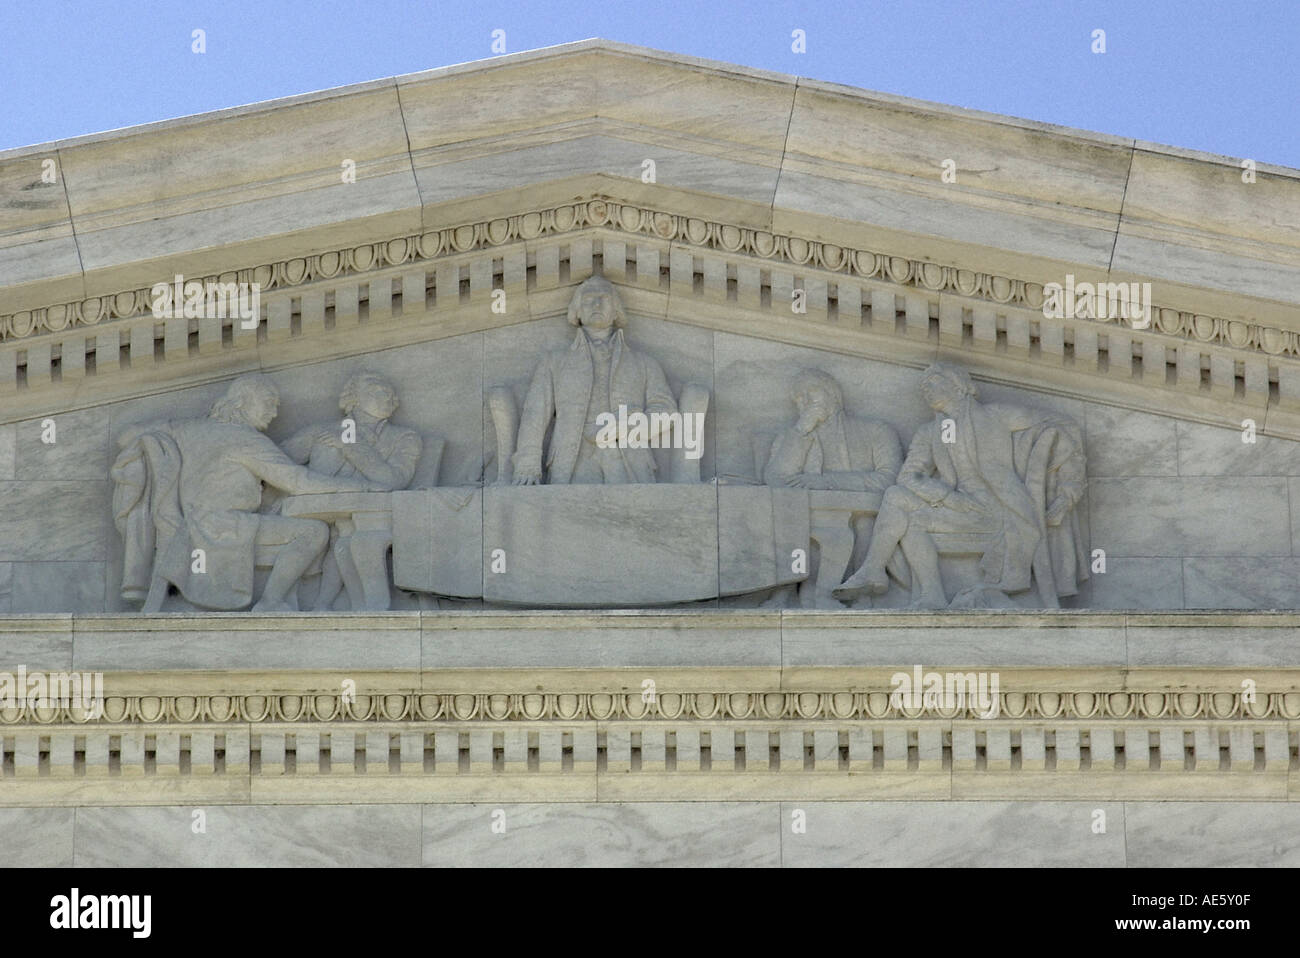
{"points": [[365, 446], [186, 500], [828, 449], [1003, 477]]}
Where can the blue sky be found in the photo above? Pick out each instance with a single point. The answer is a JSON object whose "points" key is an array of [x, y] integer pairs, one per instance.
{"points": [[1205, 74]]}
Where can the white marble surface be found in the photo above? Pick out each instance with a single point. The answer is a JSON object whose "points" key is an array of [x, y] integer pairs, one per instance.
{"points": [[663, 834], [1123, 442], [245, 641], [53, 257], [1242, 583], [1209, 516], [36, 837], [1003, 641], [508, 169], [1155, 646], [667, 834], [292, 836], [328, 207], [54, 520], [8, 451], [954, 835], [668, 639], [938, 216], [1185, 264], [601, 640], [1221, 834], [57, 586], [80, 449], [38, 642], [1137, 583], [1210, 451]]}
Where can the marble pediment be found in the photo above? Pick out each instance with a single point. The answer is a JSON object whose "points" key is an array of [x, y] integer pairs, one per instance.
{"points": [[743, 262]]}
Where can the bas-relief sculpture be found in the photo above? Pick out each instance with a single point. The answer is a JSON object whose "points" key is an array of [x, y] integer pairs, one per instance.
{"points": [[186, 499], [849, 461], [994, 479], [828, 449], [367, 446], [576, 522], [598, 373]]}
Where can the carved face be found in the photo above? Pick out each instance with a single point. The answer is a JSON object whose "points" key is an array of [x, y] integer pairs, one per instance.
{"points": [[813, 406], [939, 393], [262, 408], [378, 400], [597, 309]]}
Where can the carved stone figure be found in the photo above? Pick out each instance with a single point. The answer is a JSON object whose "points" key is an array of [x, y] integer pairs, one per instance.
{"points": [[990, 478], [186, 497], [849, 461], [597, 374], [828, 449], [364, 445], [373, 449]]}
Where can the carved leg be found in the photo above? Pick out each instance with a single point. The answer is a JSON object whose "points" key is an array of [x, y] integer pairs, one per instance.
{"points": [[923, 557], [890, 527], [835, 543], [307, 540], [369, 551], [331, 579], [347, 567]]}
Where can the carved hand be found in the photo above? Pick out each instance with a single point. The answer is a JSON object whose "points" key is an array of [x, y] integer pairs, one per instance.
{"points": [[933, 492], [810, 419]]}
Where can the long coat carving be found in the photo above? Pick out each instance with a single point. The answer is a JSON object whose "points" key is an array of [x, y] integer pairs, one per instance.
{"points": [[560, 391]]}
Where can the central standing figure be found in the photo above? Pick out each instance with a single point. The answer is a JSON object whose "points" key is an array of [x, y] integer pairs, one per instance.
{"points": [[597, 374]]}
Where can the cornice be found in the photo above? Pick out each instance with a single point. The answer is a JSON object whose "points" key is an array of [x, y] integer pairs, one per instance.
{"points": [[760, 759], [281, 701], [706, 264], [223, 726], [683, 230]]}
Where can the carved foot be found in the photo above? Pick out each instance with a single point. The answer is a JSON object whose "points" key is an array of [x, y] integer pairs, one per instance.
{"points": [[864, 580]]}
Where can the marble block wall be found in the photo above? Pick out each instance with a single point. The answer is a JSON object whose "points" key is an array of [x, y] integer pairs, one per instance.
{"points": [[697, 834], [1189, 516]]}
